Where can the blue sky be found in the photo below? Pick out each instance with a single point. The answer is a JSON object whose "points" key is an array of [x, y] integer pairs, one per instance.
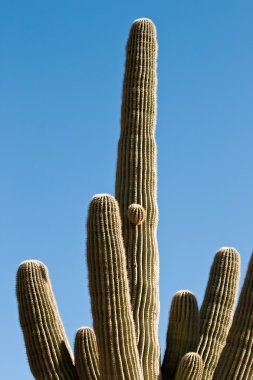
{"points": [[61, 72]]}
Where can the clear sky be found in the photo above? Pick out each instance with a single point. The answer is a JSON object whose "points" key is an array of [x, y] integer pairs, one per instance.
{"points": [[61, 72]]}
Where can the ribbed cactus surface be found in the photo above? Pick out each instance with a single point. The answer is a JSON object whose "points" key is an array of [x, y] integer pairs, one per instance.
{"points": [[236, 361], [136, 184], [190, 367], [86, 354], [183, 331], [48, 350], [109, 290], [122, 258], [217, 308]]}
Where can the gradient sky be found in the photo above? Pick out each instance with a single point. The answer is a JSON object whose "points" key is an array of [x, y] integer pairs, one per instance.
{"points": [[61, 72]]}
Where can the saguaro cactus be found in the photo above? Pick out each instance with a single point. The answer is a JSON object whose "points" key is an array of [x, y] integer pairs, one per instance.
{"points": [[190, 367], [48, 350], [136, 189], [217, 307], [122, 250], [110, 298], [183, 331], [86, 354], [236, 361], [122, 258]]}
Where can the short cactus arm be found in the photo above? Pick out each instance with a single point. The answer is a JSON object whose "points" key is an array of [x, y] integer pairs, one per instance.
{"points": [[86, 354], [109, 290], [190, 367], [217, 308], [183, 331], [136, 188], [236, 361], [48, 350]]}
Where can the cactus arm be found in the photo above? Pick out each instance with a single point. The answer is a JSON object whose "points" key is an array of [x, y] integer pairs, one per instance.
{"points": [[182, 333], [86, 354], [109, 290], [217, 307], [190, 367], [236, 361], [48, 350], [136, 189]]}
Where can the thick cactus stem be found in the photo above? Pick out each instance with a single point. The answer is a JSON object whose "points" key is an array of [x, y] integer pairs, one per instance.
{"points": [[136, 184], [217, 307], [190, 367], [236, 361], [47, 346], [86, 354], [183, 331], [109, 290]]}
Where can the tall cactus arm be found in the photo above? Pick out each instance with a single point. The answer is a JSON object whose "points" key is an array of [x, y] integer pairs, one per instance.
{"points": [[190, 367], [136, 189], [217, 307], [48, 350], [109, 290], [86, 354], [182, 333], [236, 361]]}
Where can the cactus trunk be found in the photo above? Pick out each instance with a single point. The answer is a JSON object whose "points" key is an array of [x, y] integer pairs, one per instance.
{"points": [[136, 185]]}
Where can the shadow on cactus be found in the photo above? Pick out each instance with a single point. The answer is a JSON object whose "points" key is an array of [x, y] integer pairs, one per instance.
{"points": [[122, 258]]}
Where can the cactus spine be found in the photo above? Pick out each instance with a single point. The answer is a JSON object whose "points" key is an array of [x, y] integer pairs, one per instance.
{"points": [[136, 185]]}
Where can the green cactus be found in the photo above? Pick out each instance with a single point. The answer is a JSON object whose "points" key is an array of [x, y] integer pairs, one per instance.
{"points": [[122, 258]]}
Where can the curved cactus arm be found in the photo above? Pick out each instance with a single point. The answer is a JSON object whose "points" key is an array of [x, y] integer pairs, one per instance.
{"points": [[48, 350], [182, 333], [136, 188], [190, 367], [86, 354], [109, 290], [217, 308], [236, 361]]}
